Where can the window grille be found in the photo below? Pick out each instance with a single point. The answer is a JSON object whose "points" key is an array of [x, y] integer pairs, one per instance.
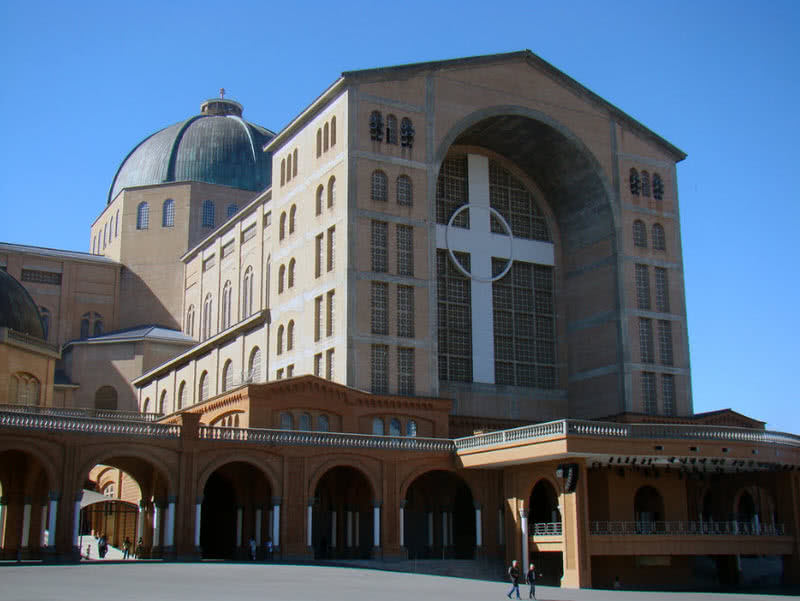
{"points": [[41, 277], [649, 398], [665, 341], [380, 261], [331, 192], [376, 126], [662, 290], [318, 365], [329, 321], [405, 374], [404, 191], [329, 367], [320, 193], [668, 390], [331, 247], [646, 340], [454, 318], [379, 304], [405, 250], [292, 219], [391, 129], [635, 182], [318, 255], [290, 336], [405, 311], [659, 239], [643, 287], [406, 133], [290, 278], [317, 318], [509, 197], [142, 216], [231, 210], [639, 234], [208, 213], [658, 187], [645, 184], [452, 191], [379, 186], [254, 365], [380, 376]]}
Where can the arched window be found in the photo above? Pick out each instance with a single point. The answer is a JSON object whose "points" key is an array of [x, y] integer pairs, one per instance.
{"points": [[377, 426], [106, 398], [281, 276], [282, 226], [227, 376], [181, 396], [161, 403], [294, 168], [208, 213], [331, 192], [290, 277], [319, 143], [207, 317], [189, 329], [658, 187], [394, 427], [379, 186], [639, 234], [376, 126], [247, 293], [659, 240], [305, 422], [254, 365], [333, 131], [203, 388], [320, 193], [283, 171], [98, 324], [116, 225], [404, 193], [142, 216], [325, 138], [146, 405], [24, 389], [105, 235], [226, 304], [85, 325], [648, 507], [279, 348], [168, 213], [290, 336], [287, 422], [45, 321], [323, 424], [231, 210], [406, 133], [289, 167], [292, 219], [391, 129], [411, 428], [634, 182], [645, 184]]}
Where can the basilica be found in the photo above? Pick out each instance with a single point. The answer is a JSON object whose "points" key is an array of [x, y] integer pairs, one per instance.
{"points": [[439, 316]]}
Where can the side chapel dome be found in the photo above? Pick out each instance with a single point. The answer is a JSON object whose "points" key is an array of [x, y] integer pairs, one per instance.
{"points": [[17, 309]]}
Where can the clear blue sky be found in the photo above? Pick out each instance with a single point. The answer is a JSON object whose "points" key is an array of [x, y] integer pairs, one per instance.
{"points": [[84, 82]]}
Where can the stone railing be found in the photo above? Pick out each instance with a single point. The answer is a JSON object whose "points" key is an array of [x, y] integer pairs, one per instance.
{"points": [[9, 334], [326, 439], [545, 529], [87, 425], [576, 427], [77, 412], [688, 528]]}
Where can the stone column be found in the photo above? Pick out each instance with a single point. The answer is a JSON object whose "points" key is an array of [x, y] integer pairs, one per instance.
{"points": [[575, 520], [44, 533], [376, 524], [140, 523], [501, 527], [76, 520], [478, 531], [309, 518], [333, 529], [276, 523], [239, 519], [523, 522], [258, 527], [26, 523], [402, 524], [157, 524], [198, 515], [169, 527], [3, 511], [349, 527]]}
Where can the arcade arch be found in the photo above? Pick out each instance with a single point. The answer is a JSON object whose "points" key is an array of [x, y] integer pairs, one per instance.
{"points": [[544, 515]]}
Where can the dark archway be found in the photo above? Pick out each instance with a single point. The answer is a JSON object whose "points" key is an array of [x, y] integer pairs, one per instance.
{"points": [[24, 481], [746, 508], [439, 517], [342, 523], [544, 516], [218, 518], [648, 509]]}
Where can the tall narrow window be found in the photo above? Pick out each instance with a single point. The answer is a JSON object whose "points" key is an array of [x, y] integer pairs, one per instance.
{"points": [[377, 426], [330, 313], [189, 329], [181, 401], [254, 365], [317, 318], [279, 346], [283, 171], [162, 403], [411, 428], [379, 186], [649, 395], [658, 187], [452, 191], [319, 143], [405, 194], [325, 138], [639, 234], [168, 213], [289, 167], [379, 304], [662, 290], [405, 311], [207, 317], [98, 324], [247, 293], [318, 365], [643, 287], [659, 239], [634, 182], [318, 255], [203, 386], [406, 133], [394, 427], [320, 193], [294, 168], [304, 422], [227, 376], [646, 340], [376, 126], [333, 130], [282, 226], [290, 278], [405, 250], [281, 277], [331, 247], [380, 375], [226, 305], [405, 372], [287, 421], [331, 192], [329, 366], [645, 184], [45, 321], [105, 235], [665, 341], [668, 397], [292, 219], [380, 262], [323, 424], [85, 325], [391, 129], [208, 213], [290, 336], [142, 216], [454, 318]]}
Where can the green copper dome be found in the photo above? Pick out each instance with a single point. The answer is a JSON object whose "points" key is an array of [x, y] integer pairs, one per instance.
{"points": [[17, 309], [217, 147]]}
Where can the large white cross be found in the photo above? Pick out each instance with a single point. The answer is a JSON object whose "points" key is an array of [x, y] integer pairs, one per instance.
{"points": [[482, 245]]}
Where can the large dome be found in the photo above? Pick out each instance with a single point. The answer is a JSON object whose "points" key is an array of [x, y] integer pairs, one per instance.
{"points": [[217, 146], [17, 309]]}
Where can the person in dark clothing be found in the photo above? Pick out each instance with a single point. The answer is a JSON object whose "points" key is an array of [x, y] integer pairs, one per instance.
{"points": [[513, 576], [530, 578]]}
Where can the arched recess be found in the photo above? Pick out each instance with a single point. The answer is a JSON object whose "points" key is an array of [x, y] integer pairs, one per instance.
{"points": [[439, 517], [648, 509], [544, 515], [342, 508]]}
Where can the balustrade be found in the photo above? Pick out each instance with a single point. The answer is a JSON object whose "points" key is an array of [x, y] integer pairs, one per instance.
{"points": [[686, 528], [88, 425]]}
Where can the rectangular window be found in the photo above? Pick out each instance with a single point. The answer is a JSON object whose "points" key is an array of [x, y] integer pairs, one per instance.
{"points": [[405, 311], [279, 374], [318, 256], [318, 365], [210, 262], [662, 290], [249, 233], [665, 341], [646, 341], [331, 247], [380, 262], [317, 318], [290, 370], [380, 364], [227, 250], [454, 318], [643, 287], [268, 219], [329, 323], [405, 250], [380, 298], [405, 371], [41, 277], [668, 388], [649, 400], [329, 364]]}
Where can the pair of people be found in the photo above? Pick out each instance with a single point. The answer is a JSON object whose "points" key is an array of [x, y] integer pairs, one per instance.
{"points": [[530, 578]]}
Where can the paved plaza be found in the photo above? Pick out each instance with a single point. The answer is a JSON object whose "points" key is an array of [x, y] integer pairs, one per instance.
{"points": [[141, 581]]}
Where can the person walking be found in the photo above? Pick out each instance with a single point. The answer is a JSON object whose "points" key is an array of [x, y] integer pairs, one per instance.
{"points": [[513, 576], [126, 548], [530, 578], [252, 544]]}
